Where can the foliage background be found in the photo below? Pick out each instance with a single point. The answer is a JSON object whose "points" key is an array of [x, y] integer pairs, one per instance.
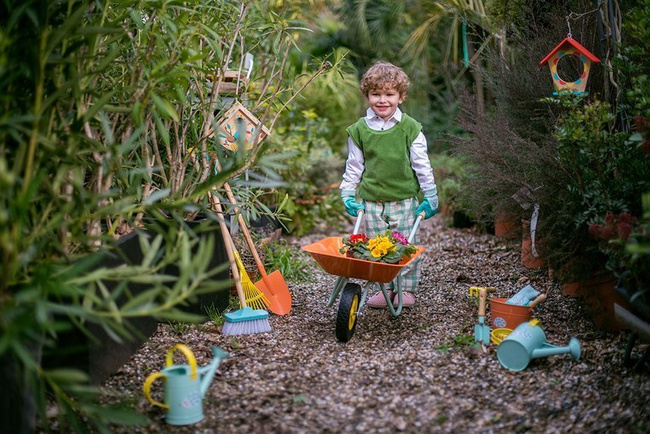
{"points": [[106, 116]]}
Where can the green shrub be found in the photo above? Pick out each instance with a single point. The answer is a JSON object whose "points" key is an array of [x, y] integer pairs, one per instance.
{"points": [[598, 171], [452, 173], [310, 177]]}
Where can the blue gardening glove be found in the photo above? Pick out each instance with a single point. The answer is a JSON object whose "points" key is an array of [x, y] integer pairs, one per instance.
{"points": [[351, 205], [429, 205]]}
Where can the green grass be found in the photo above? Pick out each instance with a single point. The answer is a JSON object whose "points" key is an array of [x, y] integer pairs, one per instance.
{"points": [[178, 328], [291, 262], [460, 341], [217, 317]]}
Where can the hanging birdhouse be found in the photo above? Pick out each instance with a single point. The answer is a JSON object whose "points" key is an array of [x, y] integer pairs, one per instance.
{"points": [[238, 125], [567, 51]]}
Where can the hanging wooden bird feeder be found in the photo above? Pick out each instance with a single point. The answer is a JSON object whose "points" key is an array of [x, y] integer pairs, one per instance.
{"points": [[569, 47], [239, 125]]}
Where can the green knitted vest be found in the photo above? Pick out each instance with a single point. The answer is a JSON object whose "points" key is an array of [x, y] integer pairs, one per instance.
{"points": [[388, 175]]}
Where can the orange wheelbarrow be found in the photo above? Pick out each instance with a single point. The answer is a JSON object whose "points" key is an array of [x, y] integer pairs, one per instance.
{"points": [[326, 253]]}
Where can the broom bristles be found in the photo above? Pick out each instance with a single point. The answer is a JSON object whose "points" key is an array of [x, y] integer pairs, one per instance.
{"points": [[246, 321]]}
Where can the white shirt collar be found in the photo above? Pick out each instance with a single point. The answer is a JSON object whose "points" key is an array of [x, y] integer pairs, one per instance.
{"points": [[397, 116]]}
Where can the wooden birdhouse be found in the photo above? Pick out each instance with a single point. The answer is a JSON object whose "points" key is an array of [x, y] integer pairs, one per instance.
{"points": [[569, 47], [239, 125]]}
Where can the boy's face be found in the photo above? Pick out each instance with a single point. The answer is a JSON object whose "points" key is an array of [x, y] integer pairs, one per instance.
{"points": [[384, 102]]}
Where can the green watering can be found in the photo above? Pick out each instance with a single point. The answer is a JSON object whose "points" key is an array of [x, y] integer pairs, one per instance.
{"points": [[184, 387], [528, 342]]}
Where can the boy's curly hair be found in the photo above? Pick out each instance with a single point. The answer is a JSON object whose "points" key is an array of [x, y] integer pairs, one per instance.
{"points": [[384, 75]]}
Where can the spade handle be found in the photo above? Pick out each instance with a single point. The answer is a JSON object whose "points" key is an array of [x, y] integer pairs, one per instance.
{"points": [[482, 295]]}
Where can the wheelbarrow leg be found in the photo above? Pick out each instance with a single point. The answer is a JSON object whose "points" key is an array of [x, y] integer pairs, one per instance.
{"points": [[398, 291], [338, 286]]}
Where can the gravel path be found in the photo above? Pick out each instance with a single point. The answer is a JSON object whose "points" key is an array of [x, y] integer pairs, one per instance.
{"points": [[419, 372]]}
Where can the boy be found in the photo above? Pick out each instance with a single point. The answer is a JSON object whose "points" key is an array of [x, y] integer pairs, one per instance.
{"points": [[388, 161]]}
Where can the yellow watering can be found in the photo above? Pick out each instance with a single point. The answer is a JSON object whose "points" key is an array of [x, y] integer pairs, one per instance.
{"points": [[184, 387]]}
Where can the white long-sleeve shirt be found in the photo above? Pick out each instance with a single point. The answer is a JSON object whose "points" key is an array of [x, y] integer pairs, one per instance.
{"points": [[355, 164]]}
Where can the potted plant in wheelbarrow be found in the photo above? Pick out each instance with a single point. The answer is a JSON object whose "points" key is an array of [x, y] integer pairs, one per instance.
{"points": [[378, 261]]}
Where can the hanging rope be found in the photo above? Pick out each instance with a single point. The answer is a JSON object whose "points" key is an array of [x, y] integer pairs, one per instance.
{"points": [[609, 21]]}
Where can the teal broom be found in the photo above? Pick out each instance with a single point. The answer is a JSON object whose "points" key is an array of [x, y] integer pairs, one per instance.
{"points": [[245, 321]]}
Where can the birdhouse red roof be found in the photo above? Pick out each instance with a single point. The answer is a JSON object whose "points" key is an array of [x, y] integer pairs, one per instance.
{"points": [[575, 44]]}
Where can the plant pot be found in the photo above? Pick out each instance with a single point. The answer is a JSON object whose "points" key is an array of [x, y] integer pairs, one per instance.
{"points": [[105, 356], [506, 226], [600, 296], [18, 401], [217, 300], [571, 289], [504, 315]]}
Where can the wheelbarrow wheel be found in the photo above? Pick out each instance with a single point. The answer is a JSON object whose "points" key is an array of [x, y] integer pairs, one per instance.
{"points": [[346, 319]]}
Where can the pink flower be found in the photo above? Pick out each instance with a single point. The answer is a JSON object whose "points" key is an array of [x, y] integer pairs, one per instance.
{"points": [[595, 230], [400, 238], [627, 218], [624, 230], [606, 232]]}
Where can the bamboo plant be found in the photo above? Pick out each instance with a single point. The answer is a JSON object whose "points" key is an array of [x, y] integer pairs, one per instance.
{"points": [[101, 104]]}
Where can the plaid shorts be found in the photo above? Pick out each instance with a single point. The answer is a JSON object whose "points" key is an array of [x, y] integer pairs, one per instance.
{"points": [[396, 216]]}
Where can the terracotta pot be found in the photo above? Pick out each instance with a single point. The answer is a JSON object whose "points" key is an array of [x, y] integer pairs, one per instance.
{"points": [[506, 226], [571, 289], [529, 260], [600, 296]]}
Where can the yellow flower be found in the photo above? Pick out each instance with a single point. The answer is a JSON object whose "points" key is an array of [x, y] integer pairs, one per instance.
{"points": [[380, 246]]}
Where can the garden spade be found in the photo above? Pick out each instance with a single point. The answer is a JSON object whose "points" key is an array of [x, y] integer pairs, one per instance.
{"points": [[482, 330]]}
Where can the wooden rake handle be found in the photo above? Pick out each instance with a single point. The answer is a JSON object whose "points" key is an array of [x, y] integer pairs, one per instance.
{"points": [[228, 242], [244, 228]]}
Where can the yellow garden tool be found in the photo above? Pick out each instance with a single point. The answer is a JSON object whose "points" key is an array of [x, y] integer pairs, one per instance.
{"points": [[253, 296]]}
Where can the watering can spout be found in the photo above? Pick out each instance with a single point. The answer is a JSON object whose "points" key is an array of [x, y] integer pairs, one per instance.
{"points": [[209, 370], [551, 350]]}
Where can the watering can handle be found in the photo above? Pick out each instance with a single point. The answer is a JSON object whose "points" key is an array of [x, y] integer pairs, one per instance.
{"points": [[191, 360], [147, 389]]}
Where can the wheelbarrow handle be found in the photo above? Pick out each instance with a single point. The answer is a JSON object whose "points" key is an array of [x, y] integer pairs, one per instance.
{"points": [[414, 231], [357, 224], [415, 227]]}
